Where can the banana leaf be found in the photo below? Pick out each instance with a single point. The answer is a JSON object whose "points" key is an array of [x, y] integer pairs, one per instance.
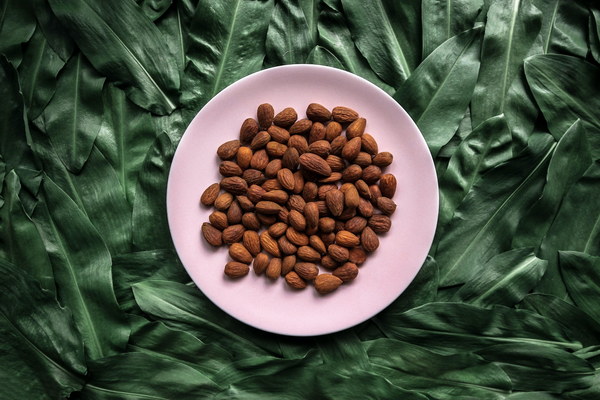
{"points": [[289, 39]]}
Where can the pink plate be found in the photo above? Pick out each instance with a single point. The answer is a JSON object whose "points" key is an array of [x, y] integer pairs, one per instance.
{"points": [[272, 306]]}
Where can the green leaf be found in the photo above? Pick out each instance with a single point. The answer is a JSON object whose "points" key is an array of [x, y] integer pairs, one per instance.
{"points": [[485, 147], [321, 56], [483, 225], [72, 118], [569, 161], [49, 360], [576, 227], [289, 39], [20, 240], [448, 328], [310, 9], [505, 279], [581, 274], [565, 89], [440, 376], [17, 24], [81, 265], [56, 35], [143, 376], [226, 43], [343, 351], [564, 27], [37, 74], [594, 34], [154, 9], [533, 367], [438, 92], [510, 32], [388, 34], [175, 29], [150, 198], [124, 46], [125, 136], [445, 19]]}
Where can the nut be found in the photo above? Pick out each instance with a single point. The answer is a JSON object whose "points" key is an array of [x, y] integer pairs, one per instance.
{"points": [[234, 269], [327, 283], [212, 235]]}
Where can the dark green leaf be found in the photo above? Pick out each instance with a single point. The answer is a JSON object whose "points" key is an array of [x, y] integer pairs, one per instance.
{"points": [[581, 273], [594, 34], [445, 19], [510, 31], [483, 225], [505, 279], [221, 51], [55, 33], [37, 73], [289, 39], [20, 240], [143, 376], [321, 56], [438, 92], [17, 24], [343, 351], [81, 265], [310, 9], [50, 361], [388, 34], [564, 26], [174, 27], [154, 9], [124, 46], [565, 89], [72, 119]]}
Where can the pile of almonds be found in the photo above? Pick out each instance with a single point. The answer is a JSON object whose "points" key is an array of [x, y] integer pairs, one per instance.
{"points": [[298, 193]]}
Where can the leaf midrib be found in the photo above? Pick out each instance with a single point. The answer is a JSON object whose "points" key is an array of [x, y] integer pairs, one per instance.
{"points": [[73, 149], [388, 29], [36, 70], [225, 50], [520, 267], [551, 30], [513, 21]]}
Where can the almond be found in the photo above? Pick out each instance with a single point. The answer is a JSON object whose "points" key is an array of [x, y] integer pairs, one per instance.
{"points": [[301, 127], [294, 281], [248, 130], [210, 194], [251, 242], [363, 159], [369, 145], [279, 134], [234, 269], [286, 246], [234, 213], [352, 173], [327, 283], [351, 197], [259, 160], [283, 215], [351, 149], [338, 253], [338, 144], [356, 128], [285, 117], [317, 132], [314, 163], [333, 130], [253, 177], [265, 114], [344, 115], [223, 201], [383, 159], [255, 193], [320, 148], [365, 208], [357, 256], [243, 157], [335, 201], [278, 196], [267, 207], [328, 238], [379, 223], [299, 143], [355, 224], [238, 252], [290, 158], [323, 189], [271, 184], [336, 163], [334, 177], [311, 213], [212, 235], [227, 150], [323, 210], [269, 244], [328, 262], [275, 149], [386, 205], [310, 191], [234, 185], [218, 219], [286, 178], [250, 221], [297, 220], [245, 203], [233, 233], [273, 168], [295, 237], [369, 240], [346, 272], [277, 229], [296, 202], [298, 182], [326, 224], [308, 271], [287, 264], [317, 244], [260, 140], [375, 193], [347, 239], [274, 268], [387, 185], [371, 174], [309, 254], [261, 261], [363, 188], [317, 112]]}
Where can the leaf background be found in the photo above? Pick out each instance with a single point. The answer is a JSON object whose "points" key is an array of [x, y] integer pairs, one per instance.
{"points": [[94, 303]]}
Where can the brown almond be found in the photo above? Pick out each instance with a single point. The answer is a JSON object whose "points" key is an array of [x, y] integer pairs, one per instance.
{"points": [[301, 127], [278, 196], [277, 229], [346, 272], [326, 224], [369, 240], [318, 113], [347, 239], [310, 191], [344, 115], [218, 219], [269, 244], [365, 208], [351, 149], [210, 194], [363, 188], [333, 130], [285, 117], [259, 160], [271, 184], [250, 221], [265, 114], [317, 243], [287, 264], [337, 145], [371, 174], [305, 270], [317, 132], [228, 150], [212, 235], [294, 281], [387, 185], [297, 220], [234, 185], [223, 201], [297, 238], [386, 205], [357, 256], [273, 168], [379, 223], [323, 210], [338, 253], [238, 252], [311, 214], [299, 143], [328, 238], [248, 130], [339, 226], [243, 157], [369, 145], [274, 268], [323, 189], [279, 134], [286, 178], [309, 254], [287, 247], [355, 225], [353, 173], [233, 233], [356, 128], [283, 215], [255, 193], [251, 242], [375, 193], [276, 149], [290, 158], [234, 269], [334, 177], [261, 261], [336, 163], [351, 197], [266, 220], [383, 159], [253, 177], [363, 159], [328, 262], [296, 202], [260, 140], [327, 283], [267, 207], [349, 212], [298, 182], [335, 201], [234, 213], [320, 148]]}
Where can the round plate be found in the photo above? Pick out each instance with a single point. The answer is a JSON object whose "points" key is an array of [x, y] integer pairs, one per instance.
{"points": [[272, 306]]}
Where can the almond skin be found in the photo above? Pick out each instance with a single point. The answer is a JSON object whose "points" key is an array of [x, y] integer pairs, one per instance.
{"points": [[314, 163], [338, 253], [286, 178], [311, 214], [344, 115], [233, 233], [223, 201], [317, 244], [346, 272], [267, 207], [387, 185], [328, 262], [383, 159], [253, 177], [386, 205], [351, 149], [261, 261], [218, 219], [351, 197], [346, 239], [265, 114], [337, 145], [356, 128], [278, 229], [327, 283], [308, 254], [234, 185], [355, 224], [353, 173], [285, 117], [308, 271], [320, 148], [368, 143], [357, 256], [369, 240], [279, 134], [297, 238], [210, 194], [234, 213], [259, 160], [371, 174], [278, 196], [234, 269], [248, 130], [297, 220], [255, 193], [301, 127], [238, 252], [269, 244], [298, 142], [290, 158], [335, 201], [212, 235], [287, 247], [250, 221], [365, 208], [251, 242], [310, 191], [336, 163], [228, 150], [294, 281], [260, 140], [333, 130], [363, 188], [317, 112], [380, 223], [275, 149], [244, 155], [317, 132], [274, 268], [287, 264]]}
